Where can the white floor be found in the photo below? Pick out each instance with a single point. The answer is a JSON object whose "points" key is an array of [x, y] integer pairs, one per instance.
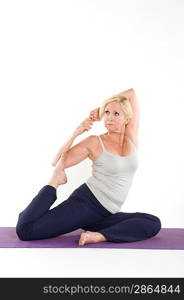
{"points": [[67, 262]]}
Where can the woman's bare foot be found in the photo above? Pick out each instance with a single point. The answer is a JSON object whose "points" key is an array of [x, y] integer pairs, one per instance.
{"points": [[91, 237], [58, 176]]}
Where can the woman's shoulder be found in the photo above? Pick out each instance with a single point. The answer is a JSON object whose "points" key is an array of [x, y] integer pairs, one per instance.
{"points": [[93, 139], [94, 142], [94, 146]]}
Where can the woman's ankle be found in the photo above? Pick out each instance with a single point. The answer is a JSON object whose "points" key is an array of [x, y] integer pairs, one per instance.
{"points": [[54, 184]]}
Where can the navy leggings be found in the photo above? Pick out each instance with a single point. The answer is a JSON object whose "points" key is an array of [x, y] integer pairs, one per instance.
{"points": [[81, 210]]}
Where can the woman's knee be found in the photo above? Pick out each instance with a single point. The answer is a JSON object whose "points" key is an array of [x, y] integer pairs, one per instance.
{"points": [[156, 223], [156, 226], [23, 231]]}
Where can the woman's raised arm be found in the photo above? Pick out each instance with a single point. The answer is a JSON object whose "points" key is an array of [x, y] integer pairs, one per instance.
{"points": [[84, 126], [61, 152], [131, 95], [131, 129]]}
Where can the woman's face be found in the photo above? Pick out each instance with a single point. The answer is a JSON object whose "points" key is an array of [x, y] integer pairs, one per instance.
{"points": [[114, 117]]}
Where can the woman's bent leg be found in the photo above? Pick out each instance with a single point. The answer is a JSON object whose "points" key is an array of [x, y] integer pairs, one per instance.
{"points": [[35, 210], [39, 205], [128, 227], [38, 222]]}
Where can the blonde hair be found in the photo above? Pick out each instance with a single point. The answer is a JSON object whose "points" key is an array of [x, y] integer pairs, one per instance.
{"points": [[124, 103]]}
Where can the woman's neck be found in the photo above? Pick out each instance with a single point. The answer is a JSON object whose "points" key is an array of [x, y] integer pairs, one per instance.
{"points": [[115, 137]]}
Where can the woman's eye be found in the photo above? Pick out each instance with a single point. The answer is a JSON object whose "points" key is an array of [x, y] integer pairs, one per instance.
{"points": [[116, 113]]}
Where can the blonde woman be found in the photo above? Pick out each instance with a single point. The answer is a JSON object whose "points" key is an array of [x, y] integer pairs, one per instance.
{"points": [[95, 205]]}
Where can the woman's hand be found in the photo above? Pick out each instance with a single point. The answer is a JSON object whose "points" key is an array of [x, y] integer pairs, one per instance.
{"points": [[84, 126], [94, 114]]}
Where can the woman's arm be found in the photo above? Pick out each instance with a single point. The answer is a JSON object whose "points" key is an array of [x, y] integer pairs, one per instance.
{"points": [[78, 153], [131, 129], [84, 126], [130, 94], [62, 151]]}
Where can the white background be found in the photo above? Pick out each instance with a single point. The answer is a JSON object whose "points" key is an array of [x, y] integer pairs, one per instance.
{"points": [[61, 59]]}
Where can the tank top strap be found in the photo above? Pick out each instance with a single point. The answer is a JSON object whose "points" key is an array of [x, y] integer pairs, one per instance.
{"points": [[101, 142]]}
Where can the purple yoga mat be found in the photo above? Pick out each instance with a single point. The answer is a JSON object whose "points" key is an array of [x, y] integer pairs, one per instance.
{"points": [[167, 238]]}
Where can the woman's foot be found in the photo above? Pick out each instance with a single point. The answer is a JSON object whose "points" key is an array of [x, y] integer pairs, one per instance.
{"points": [[58, 176], [91, 237]]}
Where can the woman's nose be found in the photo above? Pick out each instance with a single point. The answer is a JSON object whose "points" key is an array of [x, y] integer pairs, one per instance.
{"points": [[110, 117]]}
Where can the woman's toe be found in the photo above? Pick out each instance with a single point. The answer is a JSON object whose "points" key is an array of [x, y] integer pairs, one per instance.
{"points": [[82, 239]]}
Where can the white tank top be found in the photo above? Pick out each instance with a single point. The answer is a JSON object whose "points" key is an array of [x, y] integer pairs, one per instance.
{"points": [[112, 177]]}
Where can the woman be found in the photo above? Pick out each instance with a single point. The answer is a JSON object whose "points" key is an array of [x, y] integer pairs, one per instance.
{"points": [[95, 205]]}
